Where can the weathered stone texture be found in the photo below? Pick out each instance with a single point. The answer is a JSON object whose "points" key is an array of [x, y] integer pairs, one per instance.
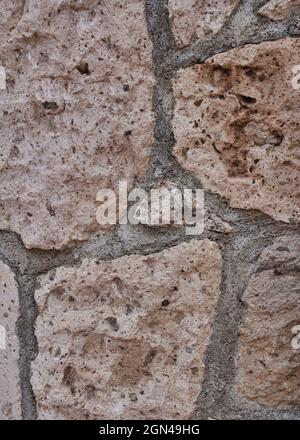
{"points": [[77, 113], [126, 338], [10, 394], [268, 366], [280, 9], [236, 126], [196, 19]]}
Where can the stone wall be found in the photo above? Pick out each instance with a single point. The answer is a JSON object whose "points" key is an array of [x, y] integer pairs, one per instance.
{"points": [[137, 321]]}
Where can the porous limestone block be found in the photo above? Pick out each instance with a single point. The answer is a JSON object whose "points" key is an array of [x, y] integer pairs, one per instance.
{"points": [[76, 116], [10, 393], [193, 20], [126, 339], [268, 360], [236, 126], [279, 9]]}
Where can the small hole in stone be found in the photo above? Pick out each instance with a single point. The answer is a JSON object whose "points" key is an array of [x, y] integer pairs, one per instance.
{"points": [[50, 105], [248, 99], [198, 102], [113, 323], [83, 68]]}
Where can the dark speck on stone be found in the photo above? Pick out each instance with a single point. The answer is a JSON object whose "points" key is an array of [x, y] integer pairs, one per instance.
{"points": [[83, 68], [113, 323], [50, 105]]}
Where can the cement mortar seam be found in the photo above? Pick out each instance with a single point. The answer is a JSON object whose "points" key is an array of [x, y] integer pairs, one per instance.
{"points": [[31, 279]]}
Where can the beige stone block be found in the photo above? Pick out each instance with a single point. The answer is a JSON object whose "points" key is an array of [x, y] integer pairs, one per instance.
{"points": [[236, 126], [126, 338], [280, 9], [10, 393], [193, 20], [268, 357], [76, 116]]}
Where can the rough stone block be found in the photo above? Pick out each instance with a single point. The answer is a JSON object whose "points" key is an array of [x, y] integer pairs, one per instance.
{"points": [[76, 116], [10, 394], [126, 338], [268, 364], [237, 129], [196, 19], [280, 9]]}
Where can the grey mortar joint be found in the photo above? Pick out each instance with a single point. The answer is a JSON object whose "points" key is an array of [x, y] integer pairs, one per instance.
{"points": [[253, 231]]}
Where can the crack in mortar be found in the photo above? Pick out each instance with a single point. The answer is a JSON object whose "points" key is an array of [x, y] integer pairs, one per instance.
{"points": [[252, 230]]}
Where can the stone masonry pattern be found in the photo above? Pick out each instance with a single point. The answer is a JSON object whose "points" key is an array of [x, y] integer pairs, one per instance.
{"points": [[135, 321]]}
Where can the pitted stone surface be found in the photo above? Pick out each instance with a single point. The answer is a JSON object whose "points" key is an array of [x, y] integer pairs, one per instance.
{"points": [[196, 19], [280, 9], [126, 338], [268, 365], [10, 394], [237, 128], [76, 116]]}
